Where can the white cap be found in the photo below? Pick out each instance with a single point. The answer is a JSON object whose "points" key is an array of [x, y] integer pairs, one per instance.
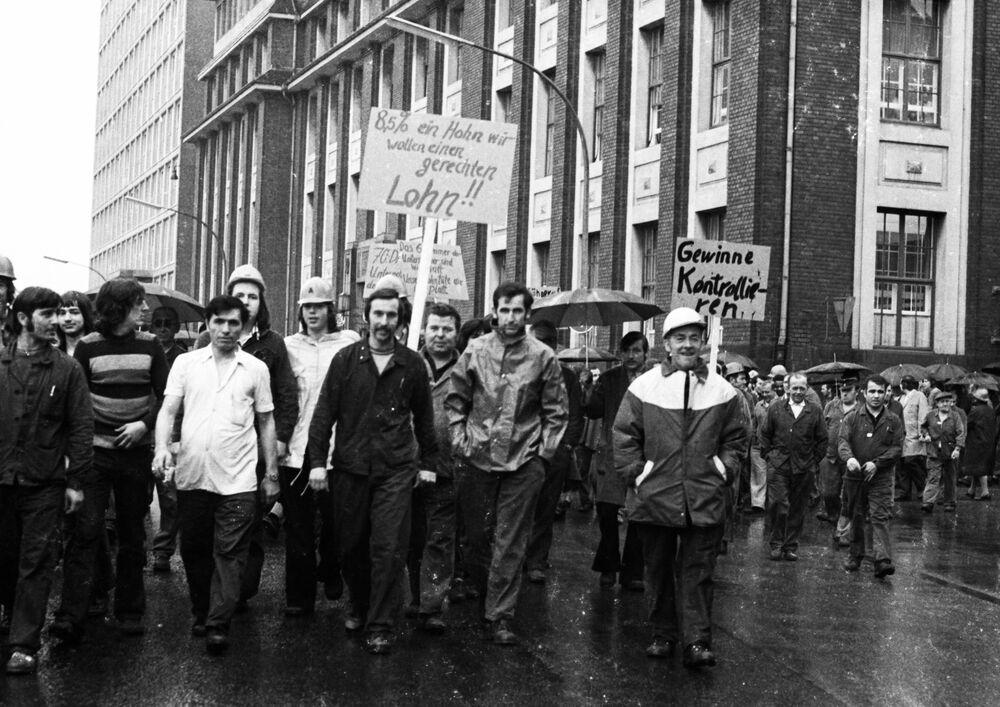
{"points": [[682, 317], [778, 371], [316, 290], [391, 282]]}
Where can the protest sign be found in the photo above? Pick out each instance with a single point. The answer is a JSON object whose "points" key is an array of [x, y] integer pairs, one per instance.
{"points": [[721, 279], [402, 259], [437, 166]]}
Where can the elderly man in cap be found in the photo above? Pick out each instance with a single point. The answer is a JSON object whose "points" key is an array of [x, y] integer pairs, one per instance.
{"points": [[679, 438], [944, 432]]}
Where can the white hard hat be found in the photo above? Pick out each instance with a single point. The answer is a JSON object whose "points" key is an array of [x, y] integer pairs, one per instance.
{"points": [[778, 371], [316, 290], [246, 273], [6, 268], [391, 282], [681, 317]]}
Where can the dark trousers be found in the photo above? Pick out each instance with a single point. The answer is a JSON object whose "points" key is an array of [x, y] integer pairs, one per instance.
{"points": [[629, 561], [165, 539], [556, 473], [831, 481], [372, 514], [29, 550], [250, 583], [431, 560], [215, 537], [941, 481], [870, 506], [301, 506], [912, 476], [679, 584], [787, 501], [127, 473], [499, 510]]}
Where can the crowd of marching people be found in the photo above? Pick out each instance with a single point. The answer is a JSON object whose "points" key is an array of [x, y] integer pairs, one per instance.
{"points": [[411, 480]]}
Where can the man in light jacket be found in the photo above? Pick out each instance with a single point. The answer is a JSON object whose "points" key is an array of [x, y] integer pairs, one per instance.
{"points": [[913, 465], [679, 438]]}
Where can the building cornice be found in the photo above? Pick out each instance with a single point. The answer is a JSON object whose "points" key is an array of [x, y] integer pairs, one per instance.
{"points": [[238, 41], [270, 82]]}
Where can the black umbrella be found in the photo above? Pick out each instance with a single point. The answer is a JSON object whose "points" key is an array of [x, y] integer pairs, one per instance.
{"points": [[593, 307], [835, 371], [188, 309]]}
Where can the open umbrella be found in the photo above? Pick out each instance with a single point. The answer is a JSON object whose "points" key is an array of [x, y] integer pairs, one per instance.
{"points": [[733, 357], [944, 371], [894, 374], [835, 371], [188, 309], [993, 368], [585, 354], [976, 378], [593, 307]]}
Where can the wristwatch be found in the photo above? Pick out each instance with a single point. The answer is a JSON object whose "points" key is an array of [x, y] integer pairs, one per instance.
{"points": [[272, 476]]}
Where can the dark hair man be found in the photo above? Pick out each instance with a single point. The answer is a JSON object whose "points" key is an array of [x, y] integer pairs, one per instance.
{"points": [[678, 439], [228, 416], [602, 403], [507, 410], [871, 440], [310, 352], [259, 340], [46, 437], [377, 394], [793, 441], [831, 469], [76, 319], [431, 560], [126, 372], [164, 325], [558, 471]]}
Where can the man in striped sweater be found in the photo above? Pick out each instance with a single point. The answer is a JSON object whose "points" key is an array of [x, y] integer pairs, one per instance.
{"points": [[127, 372]]}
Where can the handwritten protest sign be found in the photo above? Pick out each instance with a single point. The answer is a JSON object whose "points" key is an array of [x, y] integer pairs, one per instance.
{"points": [[727, 280], [402, 258], [437, 166]]}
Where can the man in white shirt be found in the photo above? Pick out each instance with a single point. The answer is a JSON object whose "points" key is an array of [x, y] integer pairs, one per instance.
{"points": [[223, 389]]}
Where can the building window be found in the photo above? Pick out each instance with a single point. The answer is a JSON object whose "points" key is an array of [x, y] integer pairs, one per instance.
{"points": [[421, 68], [550, 128], [911, 61], [504, 16], [597, 67], [713, 224], [904, 279], [541, 262], [720, 63], [647, 252], [593, 258], [356, 80], [503, 105], [455, 17], [654, 83], [385, 95]]}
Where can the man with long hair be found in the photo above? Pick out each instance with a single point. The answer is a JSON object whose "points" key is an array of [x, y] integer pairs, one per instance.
{"points": [[126, 373], [46, 431], [76, 320]]}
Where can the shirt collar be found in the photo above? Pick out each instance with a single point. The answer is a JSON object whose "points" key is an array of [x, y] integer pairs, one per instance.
{"points": [[667, 368]]}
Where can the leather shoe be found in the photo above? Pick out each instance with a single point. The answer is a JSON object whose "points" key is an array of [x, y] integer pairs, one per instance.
{"points": [[660, 648], [353, 622], [21, 663], [883, 568], [776, 555], [378, 643], [852, 564], [432, 624], [216, 642], [536, 576], [198, 628], [789, 556], [607, 579], [502, 635], [698, 655], [927, 507]]}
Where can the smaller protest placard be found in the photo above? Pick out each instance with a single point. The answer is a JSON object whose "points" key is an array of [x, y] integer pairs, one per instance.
{"points": [[402, 259], [722, 279]]}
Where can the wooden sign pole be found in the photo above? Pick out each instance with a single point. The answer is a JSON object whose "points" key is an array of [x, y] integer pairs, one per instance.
{"points": [[714, 341], [423, 282]]}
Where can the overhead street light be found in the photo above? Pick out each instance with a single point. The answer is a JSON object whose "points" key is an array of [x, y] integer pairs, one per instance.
{"points": [[453, 42], [163, 207], [82, 265]]}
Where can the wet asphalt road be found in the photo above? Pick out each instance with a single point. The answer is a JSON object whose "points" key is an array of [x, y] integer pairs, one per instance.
{"points": [[785, 633]]}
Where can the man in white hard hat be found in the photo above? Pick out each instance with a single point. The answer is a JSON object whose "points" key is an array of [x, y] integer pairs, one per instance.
{"points": [[7, 292], [679, 437]]}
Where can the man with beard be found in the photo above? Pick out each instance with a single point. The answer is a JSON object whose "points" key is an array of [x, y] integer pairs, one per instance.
{"points": [[46, 437], [679, 437], [378, 396], [227, 398], [602, 403], [508, 411], [793, 440]]}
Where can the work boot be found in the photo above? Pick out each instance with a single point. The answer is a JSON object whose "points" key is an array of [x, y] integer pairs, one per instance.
{"points": [[536, 576], [852, 564], [379, 643], [216, 642], [883, 568], [698, 655], [660, 648], [502, 635], [161, 563], [21, 663]]}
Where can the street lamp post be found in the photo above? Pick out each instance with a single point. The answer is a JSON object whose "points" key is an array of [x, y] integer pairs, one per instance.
{"points": [[82, 265], [452, 41], [213, 234]]}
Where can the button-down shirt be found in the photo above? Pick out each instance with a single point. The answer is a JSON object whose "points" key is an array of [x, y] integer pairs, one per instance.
{"points": [[218, 450]]}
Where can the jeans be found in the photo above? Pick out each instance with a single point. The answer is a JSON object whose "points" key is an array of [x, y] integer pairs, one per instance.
{"points": [[29, 550], [499, 510], [629, 562], [787, 501], [127, 472], [679, 585], [372, 514], [431, 560], [215, 537], [540, 541]]}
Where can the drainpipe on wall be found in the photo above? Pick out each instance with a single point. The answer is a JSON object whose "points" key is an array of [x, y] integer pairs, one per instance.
{"points": [[781, 354]]}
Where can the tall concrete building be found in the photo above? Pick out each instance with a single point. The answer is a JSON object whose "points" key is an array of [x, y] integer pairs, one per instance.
{"points": [[854, 138], [147, 96]]}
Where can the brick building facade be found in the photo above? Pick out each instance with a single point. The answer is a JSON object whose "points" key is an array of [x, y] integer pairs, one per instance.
{"points": [[874, 167]]}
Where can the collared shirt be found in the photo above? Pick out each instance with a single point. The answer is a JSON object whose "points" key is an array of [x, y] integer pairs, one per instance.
{"points": [[218, 449], [797, 408]]}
